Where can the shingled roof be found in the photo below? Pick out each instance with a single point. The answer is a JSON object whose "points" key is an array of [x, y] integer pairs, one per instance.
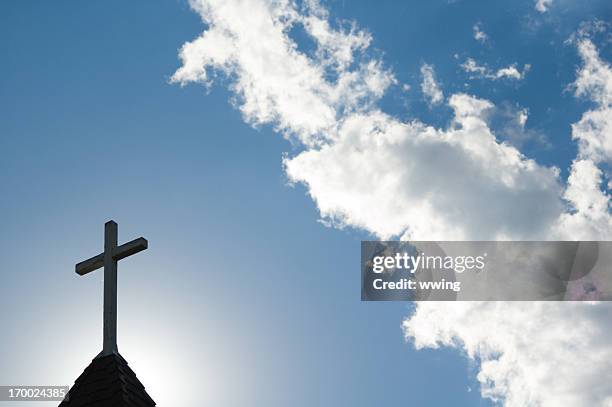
{"points": [[108, 382]]}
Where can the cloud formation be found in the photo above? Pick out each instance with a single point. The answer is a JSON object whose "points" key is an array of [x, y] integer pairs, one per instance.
{"points": [[276, 83], [429, 85], [591, 219], [482, 71], [543, 5], [479, 34], [419, 182], [530, 353], [367, 169]]}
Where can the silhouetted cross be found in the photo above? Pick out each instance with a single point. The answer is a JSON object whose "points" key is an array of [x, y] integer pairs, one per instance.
{"points": [[109, 258]]}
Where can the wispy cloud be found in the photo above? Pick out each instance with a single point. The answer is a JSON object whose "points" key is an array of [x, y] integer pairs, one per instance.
{"points": [[510, 122], [429, 85], [479, 34], [543, 5], [484, 72], [275, 83]]}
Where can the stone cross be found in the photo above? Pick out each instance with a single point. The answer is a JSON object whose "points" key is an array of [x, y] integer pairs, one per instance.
{"points": [[109, 258]]}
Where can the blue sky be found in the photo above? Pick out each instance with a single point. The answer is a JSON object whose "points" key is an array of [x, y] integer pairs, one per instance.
{"points": [[243, 297]]}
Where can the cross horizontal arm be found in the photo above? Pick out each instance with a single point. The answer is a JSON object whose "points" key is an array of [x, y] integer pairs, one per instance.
{"points": [[90, 265], [121, 252], [129, 248]]}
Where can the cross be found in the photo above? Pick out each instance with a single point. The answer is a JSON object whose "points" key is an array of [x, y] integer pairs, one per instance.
{"points": [[109, 258]]}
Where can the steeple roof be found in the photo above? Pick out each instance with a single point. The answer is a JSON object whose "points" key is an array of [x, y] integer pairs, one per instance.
{"points": [[108, 382]]}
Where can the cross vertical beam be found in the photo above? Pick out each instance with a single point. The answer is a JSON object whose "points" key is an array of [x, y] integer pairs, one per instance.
{"points": [[110, 289]]}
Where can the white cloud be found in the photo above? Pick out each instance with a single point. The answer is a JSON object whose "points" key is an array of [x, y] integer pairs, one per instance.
{"points": [[591, 218], [543, 5], [410, 179], [482, 71], [479, 34], [367, 169], [530, 353], [594, 80], [594, 135], [470, 65], [275, 82], [429, 85], [511, 72]]}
